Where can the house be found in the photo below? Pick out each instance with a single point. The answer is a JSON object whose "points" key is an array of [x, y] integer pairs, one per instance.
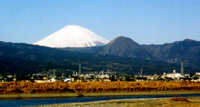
{"points": [[41, 79], [103, 77], [198, 73], [68, 80], [89, 77], [52, 80]]}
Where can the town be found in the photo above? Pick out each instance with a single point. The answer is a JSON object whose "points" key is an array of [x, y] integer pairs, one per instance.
{"points": [[102, 76]]}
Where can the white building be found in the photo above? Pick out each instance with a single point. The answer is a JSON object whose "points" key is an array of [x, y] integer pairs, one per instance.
{"points": [[198, 73], [174, 75], [68, 80], [103, 76]]}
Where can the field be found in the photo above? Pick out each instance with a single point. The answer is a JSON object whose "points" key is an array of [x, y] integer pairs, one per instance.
{"points": [[88, 87]]}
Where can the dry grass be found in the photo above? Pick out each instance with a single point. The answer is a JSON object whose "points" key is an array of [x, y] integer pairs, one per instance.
{"points": [[60, 87], [163, 102], [134, 86], [181, 102], [176, 99], [29, 87]]}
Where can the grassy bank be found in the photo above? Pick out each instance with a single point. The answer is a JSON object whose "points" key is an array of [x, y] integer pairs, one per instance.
{"points": [[150, 102], [96, 94]]}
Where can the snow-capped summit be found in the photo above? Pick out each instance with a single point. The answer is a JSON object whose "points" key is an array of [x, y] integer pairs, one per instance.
{"points": [[72, 36]]}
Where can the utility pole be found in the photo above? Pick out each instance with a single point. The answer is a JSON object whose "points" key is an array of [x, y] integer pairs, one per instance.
{"points": [[54, 73], [182, 69], [141, 71], [79, 69]]}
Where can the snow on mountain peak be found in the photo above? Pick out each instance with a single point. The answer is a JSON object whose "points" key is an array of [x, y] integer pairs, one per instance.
{"points": [[72, 36]]}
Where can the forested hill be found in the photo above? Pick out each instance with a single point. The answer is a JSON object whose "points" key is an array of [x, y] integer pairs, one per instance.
{"points": [[20, 58], [186, 51]]}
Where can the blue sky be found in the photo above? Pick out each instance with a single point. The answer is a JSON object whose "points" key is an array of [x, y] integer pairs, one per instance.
{"points": [[145, 21]]}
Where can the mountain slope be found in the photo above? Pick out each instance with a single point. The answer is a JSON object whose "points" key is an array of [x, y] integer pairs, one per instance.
{"points": [[72, 36], [187, 51], [125, 47], [19, 58]]}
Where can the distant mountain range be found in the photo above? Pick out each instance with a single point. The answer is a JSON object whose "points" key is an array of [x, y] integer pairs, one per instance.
{"points": [[79, 39], [122, 55], [187, 51]]}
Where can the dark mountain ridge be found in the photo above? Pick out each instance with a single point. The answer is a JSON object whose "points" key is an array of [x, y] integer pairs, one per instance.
{"points": [[122, 55], [24, 59], [125, 47], [187, 51]]}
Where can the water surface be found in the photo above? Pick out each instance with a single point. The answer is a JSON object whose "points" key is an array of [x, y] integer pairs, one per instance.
{"points": [[45, 101]]}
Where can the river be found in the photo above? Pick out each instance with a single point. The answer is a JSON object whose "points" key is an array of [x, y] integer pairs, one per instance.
{"points": [[45, 101]]}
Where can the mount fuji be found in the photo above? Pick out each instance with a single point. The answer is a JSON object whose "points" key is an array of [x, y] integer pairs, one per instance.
{"points": [[72, 36]]}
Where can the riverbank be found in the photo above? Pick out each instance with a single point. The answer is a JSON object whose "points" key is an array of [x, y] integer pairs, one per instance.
{"points": [[95, 94], [149, 102]]}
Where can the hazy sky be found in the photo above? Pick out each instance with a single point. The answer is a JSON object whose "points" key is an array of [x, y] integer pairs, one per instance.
{"points": [[145, 21]]}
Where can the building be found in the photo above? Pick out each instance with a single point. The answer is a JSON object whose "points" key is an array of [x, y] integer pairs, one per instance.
{"points": [[174, 75], [198, 73], [103, 77]]}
